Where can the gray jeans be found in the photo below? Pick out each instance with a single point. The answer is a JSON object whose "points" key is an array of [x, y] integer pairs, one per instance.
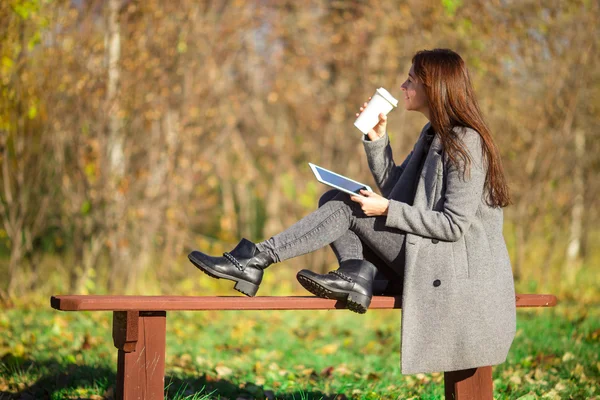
{"points": [[341, 223]]}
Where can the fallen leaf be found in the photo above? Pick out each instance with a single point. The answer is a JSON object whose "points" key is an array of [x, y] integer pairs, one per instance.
{"points": [[258, 367], [109, 393], [372, 376], [200, 360], [184, 360], [327, 372], [538, 374], [328, 349], [274, 367], [342, 370], [568, 356], [579, 371], [551, 395], [516, 379], [546, 358], [560, 386], [528, 396], [223, 371]]}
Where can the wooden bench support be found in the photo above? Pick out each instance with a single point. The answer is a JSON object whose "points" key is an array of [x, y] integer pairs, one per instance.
{"points": [[469, 384], [139, 330], [140, 338]]}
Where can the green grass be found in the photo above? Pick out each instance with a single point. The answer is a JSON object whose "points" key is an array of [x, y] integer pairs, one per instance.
{"points": [[287, 355]]}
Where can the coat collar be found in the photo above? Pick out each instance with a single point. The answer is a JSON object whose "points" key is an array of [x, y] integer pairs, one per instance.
{"points": [[425, 191], [436, 145]]}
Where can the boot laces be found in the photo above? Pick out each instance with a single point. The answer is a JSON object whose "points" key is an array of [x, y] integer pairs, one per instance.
{"points": [[341, 275], [234, 261]]}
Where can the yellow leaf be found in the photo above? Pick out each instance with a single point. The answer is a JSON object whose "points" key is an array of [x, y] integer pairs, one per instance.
{"points": [[258, 367], [551, 395], [328, 348], [7, 62], [18, 350], [32, 112]]}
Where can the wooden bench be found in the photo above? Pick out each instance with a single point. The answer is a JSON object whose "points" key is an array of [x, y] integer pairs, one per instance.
{"points": [[139, 330]]}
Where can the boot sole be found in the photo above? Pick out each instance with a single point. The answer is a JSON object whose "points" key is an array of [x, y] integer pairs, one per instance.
{"points": [[355, 302], [242, 286]]}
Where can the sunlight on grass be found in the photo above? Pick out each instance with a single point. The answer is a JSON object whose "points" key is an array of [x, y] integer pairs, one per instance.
{"points": [[297, 354], [288, 355]]}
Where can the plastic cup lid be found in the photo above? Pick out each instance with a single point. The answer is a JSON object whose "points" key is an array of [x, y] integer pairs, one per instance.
{"points": [[386, 95]]}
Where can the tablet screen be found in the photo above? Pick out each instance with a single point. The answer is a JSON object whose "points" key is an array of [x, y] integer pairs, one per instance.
{"points": [[340, 181]]}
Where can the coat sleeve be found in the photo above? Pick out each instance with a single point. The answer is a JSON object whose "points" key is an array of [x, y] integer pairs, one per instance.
{"points": [[462, 198], [385, 172]]}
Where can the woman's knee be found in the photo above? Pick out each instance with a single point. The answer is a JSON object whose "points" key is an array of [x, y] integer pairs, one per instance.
{"points": [[327, 196]]}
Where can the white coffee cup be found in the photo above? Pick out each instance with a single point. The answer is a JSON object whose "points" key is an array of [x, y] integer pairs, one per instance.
{"points": [[381, 102]]}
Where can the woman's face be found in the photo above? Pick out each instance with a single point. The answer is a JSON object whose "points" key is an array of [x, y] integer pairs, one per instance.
{"points": [[415, 98]]}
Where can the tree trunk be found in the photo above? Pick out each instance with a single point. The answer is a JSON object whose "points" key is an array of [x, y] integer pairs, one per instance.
{"points": [[578, 211], [16, 256], [89, 262], [115, 152], [520, 240], [113, 52]]}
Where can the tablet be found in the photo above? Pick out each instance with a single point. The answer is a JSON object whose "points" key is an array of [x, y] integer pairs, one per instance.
{"points": [[338, 181]]}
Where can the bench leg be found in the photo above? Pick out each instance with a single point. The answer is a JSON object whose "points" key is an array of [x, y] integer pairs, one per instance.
{"points": [[140, 338], [469, 384]]}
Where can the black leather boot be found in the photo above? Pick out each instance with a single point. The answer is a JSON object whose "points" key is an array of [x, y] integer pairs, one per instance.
{"points": [[352, 282], [243, 265]]}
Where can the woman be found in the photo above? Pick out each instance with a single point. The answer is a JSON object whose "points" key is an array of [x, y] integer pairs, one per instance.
{"points": [[437, 225]]}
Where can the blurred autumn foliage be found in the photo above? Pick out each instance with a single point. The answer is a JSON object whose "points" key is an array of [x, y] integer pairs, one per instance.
{"points": [[133, 131]]}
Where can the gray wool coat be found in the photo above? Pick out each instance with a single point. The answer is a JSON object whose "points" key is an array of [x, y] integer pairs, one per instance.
{"points": [[458, 303]]}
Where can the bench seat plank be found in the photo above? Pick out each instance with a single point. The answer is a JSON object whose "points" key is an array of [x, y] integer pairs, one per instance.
{"points": [[191, 303]]}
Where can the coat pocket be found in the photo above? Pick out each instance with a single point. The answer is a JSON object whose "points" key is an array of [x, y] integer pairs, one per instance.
{"points": [[461, 262]]}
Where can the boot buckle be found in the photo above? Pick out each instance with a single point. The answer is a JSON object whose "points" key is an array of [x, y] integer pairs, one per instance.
{"points": [[341, 275], [234, 261]]}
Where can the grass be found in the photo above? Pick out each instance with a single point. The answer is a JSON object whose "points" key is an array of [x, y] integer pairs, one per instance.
{"points": [[287, 355]]}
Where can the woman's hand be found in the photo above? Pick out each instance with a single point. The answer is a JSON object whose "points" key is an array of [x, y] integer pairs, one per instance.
{"points": [[378, 130], [372, 204]]}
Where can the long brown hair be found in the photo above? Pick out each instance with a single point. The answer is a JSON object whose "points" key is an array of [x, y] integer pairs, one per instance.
{"points": [[452, 103]]}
